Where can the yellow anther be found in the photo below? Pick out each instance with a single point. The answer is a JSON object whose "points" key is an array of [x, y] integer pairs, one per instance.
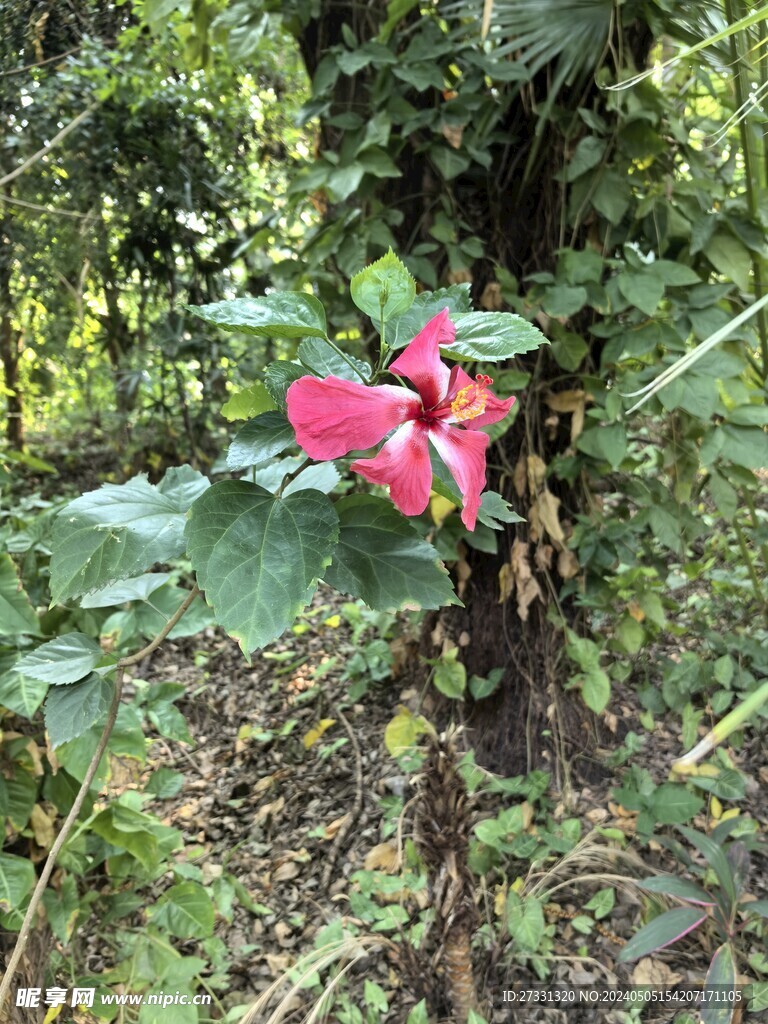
{"points": [[469, 402]]}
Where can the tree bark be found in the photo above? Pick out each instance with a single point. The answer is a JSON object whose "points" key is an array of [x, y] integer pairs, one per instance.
{"points": [[11, 343]]}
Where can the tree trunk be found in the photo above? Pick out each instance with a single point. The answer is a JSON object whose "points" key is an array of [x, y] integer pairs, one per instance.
{"points": [[516, 208], [10, 347]]}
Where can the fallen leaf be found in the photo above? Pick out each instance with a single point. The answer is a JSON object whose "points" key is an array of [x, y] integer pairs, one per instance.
{"points": [[520, 476], [278, 963], [384, 857], [286, 871], [270, 810], [330, 830], [543, 556], [649, 971], [526, 596], [283, 934], [313, 735], [547, 505]]}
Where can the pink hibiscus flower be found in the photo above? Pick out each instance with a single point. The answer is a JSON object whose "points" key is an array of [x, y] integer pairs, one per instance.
{"points": [[333, 417]]}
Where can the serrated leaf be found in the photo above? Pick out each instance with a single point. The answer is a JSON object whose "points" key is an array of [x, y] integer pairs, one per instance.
{"points": [[400, 330], [17, 616], [279, 376], [112, 534], [70, 711], [494, 511], [322, 477], [21, 694], [64, 660], [385, 287], [382, 559], [279, 315], [186, 911], [493, 337], [183, 485], [662, 931], [321, 360], [137, 589], [260, 439], [256, 555]]}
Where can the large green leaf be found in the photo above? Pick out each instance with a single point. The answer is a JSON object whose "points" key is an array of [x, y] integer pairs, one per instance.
{"points": [[525, 921], [682, 888], [17, 878], [493, 337], [21, 694], [279, 315], [382, 559], [321, 360], [279, 376], [662, 931], [63, 660], [186, 911], [71, 710], [260, 439], [137, 589], [321, 477], [16, 613], [400, 330], [130, 830], [114, 533], [257, 555], [673, 803]]}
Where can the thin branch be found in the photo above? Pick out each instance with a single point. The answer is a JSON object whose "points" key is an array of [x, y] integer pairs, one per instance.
{"points": [[82, 793], [39, 64], [49, 145], [42, 209]]}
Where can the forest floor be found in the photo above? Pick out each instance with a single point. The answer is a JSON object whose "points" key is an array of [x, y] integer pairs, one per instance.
{"points": [[294, 822]]}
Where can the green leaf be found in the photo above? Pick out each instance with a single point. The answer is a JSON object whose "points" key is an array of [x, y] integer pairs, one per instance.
{"points": [[562, 301], [21, 694], [278, 315], [321, 360], [400, 330], [494, 511], [17, 879], [672, 803], [596, 689], [249, 402], [450, 162], [630, 634], [450, 678], [381, 559], [525, 922], [643, 289], [607, 442], [137, 589], [257, 555], [112, 534], [385, 287], [322, 477], [183, 484], [746, 446], [662, 931], [483, 686], [716, 858], [588, 154], [569, 350], [343, 181], [671, 885], [676, 275], [260, 439], [186, 911], [493, 337], [62, 908], [63, 660], [17, 616], [602, 903], [128, 830], [279, 376], [419, 1014], [71, 710], [721, 977], [730, 258]]}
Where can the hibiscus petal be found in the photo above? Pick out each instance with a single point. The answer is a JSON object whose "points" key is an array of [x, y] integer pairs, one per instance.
{"points": [[420, 362], [403, 463], [332, 417], [495, 409], [463, 452]]}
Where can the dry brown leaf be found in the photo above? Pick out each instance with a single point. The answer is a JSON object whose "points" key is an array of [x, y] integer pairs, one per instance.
{"points": [[654, 972], [42, 827], [286, 871], [261, 785], [596, 815], [543, 556], [491, 298], [548, 505], [567, 564], [573, 402], [464, 638], [537, 472], [383, 857], [535, 529], [284, 934], [611, 720], [270, 810], [463, 572], [518, 560], [453, 134], [526, 595], [520, 476], [635, 611], [506, 582], [331, 829], [278, 963]]}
